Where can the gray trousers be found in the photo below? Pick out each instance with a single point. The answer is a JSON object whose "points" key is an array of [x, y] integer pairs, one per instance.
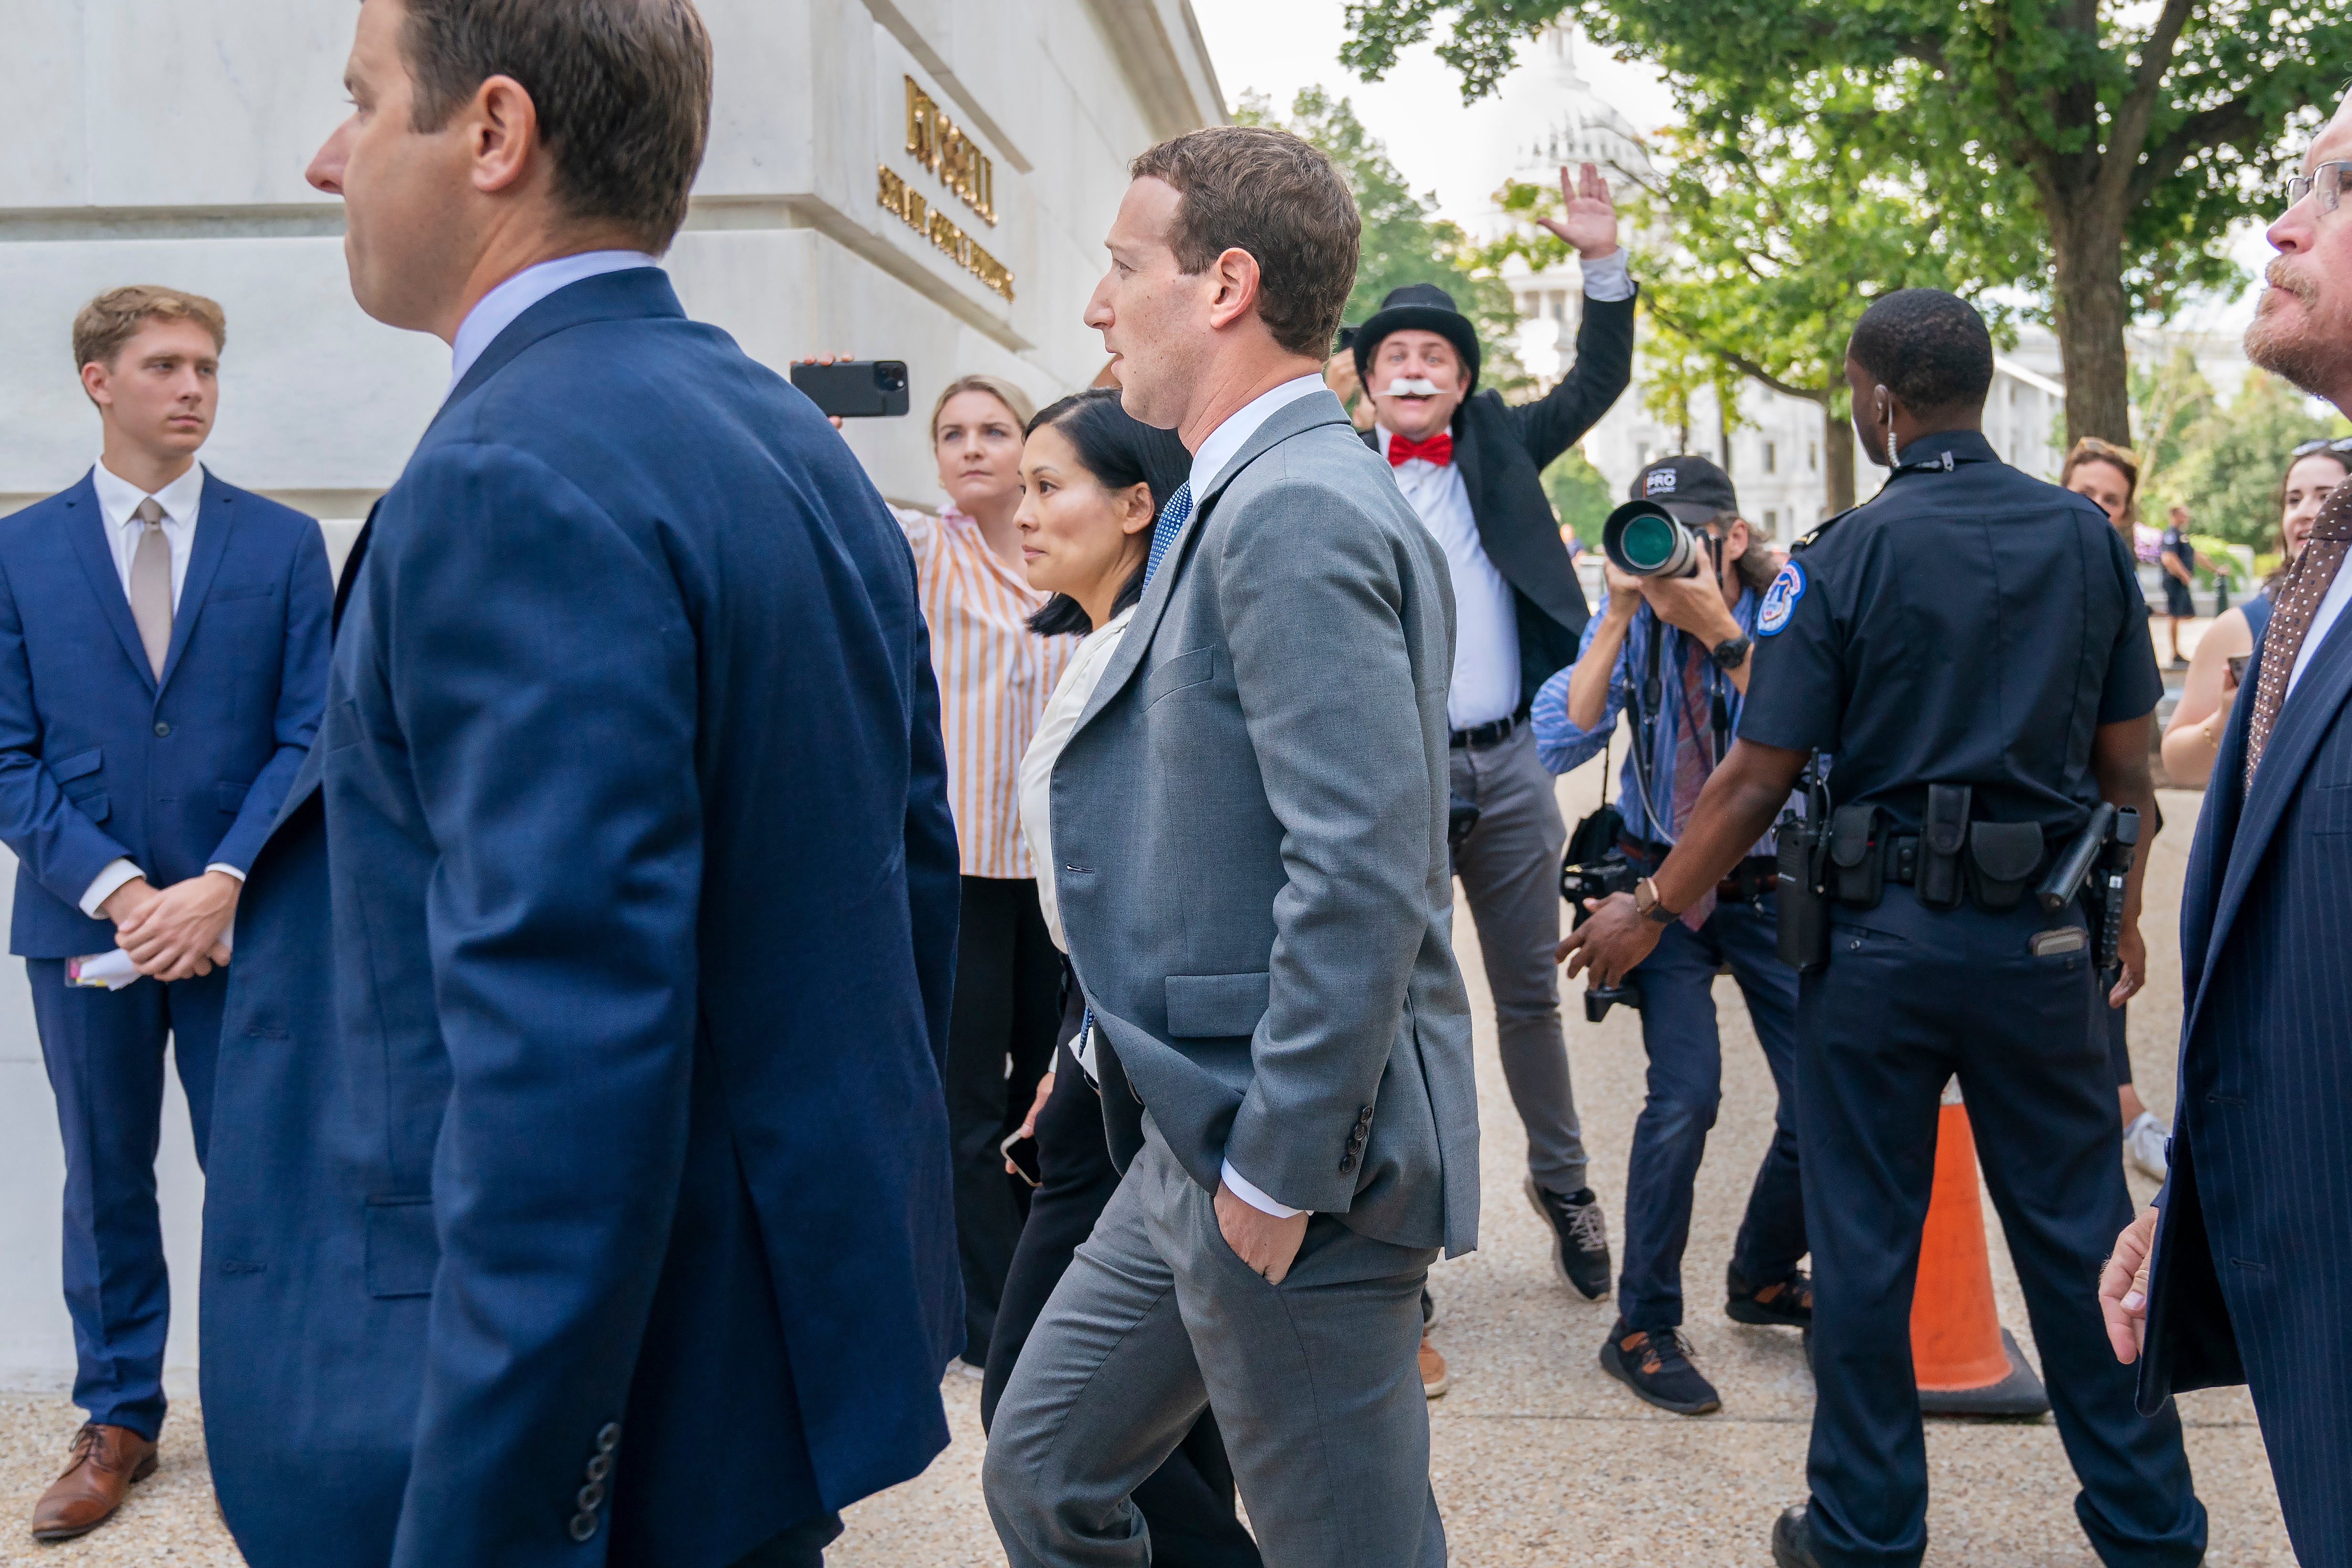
{"points": [[1314, 1382], [1510, 867]]}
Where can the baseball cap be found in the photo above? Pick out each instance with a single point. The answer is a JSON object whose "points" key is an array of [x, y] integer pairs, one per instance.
{"points": [[1689, 486]]}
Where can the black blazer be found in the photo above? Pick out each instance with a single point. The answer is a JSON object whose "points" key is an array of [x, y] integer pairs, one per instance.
{"points": [[1502, 452]]}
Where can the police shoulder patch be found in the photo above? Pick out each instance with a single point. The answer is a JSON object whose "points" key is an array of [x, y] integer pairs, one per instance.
{"points": [[1780, 599]]}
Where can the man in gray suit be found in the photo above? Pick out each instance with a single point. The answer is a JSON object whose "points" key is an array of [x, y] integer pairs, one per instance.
{"points": [[1249, 852]]}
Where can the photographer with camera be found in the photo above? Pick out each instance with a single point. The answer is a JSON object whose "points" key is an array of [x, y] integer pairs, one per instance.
{"points": [[1471, 465], [1674, 647]]}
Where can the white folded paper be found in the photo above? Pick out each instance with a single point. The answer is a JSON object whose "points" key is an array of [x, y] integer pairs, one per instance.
{"points": [[113, 970]]}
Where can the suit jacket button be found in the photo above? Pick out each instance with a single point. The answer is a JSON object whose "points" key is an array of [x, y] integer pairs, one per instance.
{"points": [[162, 728], [600, 1466], [589, 1496], [1346, 1163], [583, 1525], [609, 1438]]}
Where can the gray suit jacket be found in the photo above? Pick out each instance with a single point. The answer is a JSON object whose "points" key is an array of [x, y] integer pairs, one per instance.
{"points": [[1249, 823]]}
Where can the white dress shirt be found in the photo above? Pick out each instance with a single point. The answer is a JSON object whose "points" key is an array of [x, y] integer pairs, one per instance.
{"points": [[1055, 727], [1218, 447], [494, 312], [2331, 606], [1485, 618], [118, 498], [1216, 450], [1607, 280]]}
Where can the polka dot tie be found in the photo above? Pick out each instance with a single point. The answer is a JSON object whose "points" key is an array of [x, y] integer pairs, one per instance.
{"points": [[2298, 601], [1172, 517]]}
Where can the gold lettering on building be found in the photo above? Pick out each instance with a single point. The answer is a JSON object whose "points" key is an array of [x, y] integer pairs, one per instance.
{"points": [[951, 242], [937, 145]]}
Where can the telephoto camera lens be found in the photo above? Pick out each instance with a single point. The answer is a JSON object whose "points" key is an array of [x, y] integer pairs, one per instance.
{"points": [[1643, 538]]}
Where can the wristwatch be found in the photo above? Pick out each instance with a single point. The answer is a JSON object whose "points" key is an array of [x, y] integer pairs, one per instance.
{"points": [[1729, 653], [1647, 905]]}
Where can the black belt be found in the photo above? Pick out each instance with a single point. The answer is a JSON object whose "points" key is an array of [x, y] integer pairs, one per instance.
{"points": [[1479, 736]]}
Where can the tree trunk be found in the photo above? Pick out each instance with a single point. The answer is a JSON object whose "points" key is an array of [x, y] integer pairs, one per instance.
{"points": [[1837, 454], [2090, 314]]}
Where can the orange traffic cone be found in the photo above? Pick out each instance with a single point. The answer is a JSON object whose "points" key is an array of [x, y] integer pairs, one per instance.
{"points": [[1965, 1361]]}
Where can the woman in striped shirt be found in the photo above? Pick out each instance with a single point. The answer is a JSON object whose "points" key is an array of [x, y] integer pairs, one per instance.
{"points": [[995, 676]]}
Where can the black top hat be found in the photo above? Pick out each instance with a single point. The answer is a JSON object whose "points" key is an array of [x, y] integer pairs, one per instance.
{"points": [[1418, 308], [1690, 487]]}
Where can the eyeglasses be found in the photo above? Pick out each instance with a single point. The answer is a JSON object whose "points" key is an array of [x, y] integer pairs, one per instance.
{"points": [[2339, 445], [2327, 180]]}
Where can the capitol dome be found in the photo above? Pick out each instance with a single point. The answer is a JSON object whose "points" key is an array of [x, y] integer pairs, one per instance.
{"points": [[1555, 119]]}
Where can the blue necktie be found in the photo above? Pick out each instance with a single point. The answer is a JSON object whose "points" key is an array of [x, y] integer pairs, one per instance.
{"points": [[1173, 518]]}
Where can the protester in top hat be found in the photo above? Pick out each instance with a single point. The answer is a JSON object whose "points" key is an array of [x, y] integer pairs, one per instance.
{"points": [[1471, 465], [1676, 650]]}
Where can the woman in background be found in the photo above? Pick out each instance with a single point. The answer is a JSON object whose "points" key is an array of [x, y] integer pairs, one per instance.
{"points": [[1094, 482], [994, 675], [2193, 738], [2110, 476]]}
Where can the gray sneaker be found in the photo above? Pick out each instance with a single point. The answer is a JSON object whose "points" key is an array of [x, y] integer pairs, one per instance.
{"points": [[2144, 1145]]}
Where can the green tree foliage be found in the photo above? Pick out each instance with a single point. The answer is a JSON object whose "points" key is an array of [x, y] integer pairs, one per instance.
{"points": [[1756, 258], [2170, 401], [1578, 495], [1403, 241], [2103, 146], [2233, 458]]}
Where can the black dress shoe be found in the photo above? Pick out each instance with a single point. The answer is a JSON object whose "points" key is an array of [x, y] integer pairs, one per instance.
{"points": [[1655, 1364], [1788, 1304], [1793, 1540], [1580, 1237]]}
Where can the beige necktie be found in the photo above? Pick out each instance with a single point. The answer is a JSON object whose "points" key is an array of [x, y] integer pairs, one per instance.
{"points": [[151, 585]]}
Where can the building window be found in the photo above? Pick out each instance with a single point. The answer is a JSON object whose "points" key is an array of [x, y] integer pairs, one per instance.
{"points": [[1641, 455], [1771, 522], [1812, 456], [1771, 458], [1560, 305]]}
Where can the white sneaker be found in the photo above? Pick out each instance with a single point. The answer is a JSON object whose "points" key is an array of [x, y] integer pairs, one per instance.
{"points": [[2143, 1143]]}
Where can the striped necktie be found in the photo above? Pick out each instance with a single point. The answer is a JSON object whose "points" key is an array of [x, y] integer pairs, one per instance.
{"points": [[1173, 518], [2297, 602]]}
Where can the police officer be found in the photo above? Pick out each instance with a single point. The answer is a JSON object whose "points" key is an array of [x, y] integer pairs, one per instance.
{"points": [[1971, 649]]}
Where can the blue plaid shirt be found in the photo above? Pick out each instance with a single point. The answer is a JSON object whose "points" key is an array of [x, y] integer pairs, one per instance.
{"points": [[1562, 746]]}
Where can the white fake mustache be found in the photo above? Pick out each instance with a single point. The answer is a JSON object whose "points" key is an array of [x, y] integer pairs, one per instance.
{"points": [[1419, 386]]}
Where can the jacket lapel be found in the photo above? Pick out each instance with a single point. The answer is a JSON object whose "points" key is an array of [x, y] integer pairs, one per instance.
{"points": [[215, 517], [91, 545], [2303, 722], [1294, 418]]}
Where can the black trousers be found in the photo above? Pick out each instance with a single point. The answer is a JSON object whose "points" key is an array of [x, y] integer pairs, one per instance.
{"points": [[1188, 1503], [1910, 997], [1000, 1043]]}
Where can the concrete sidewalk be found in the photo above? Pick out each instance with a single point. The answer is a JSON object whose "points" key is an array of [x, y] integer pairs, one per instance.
{"points": [[1540, 1457]]}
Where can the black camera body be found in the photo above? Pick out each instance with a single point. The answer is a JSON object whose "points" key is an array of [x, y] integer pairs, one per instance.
{"points": [[1596, 879], [1641, 538]]}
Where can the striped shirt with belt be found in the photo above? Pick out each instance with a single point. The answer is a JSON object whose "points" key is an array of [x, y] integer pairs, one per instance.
{"points": [[995, 676]]}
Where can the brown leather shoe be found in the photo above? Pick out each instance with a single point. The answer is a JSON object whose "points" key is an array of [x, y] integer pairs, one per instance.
{"points": [[107, 1461], [1434, 1379]]}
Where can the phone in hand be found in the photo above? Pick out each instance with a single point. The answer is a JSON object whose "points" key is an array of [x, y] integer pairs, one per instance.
{"points": [[856, 389], [2238, 670], [1020, 1152]]}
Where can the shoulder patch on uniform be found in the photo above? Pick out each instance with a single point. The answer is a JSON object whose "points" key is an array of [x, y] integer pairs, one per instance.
{"points": [[1780, 599]]}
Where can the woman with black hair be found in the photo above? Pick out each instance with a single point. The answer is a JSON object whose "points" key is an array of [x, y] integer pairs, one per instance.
{"points": [[1093, 482]]}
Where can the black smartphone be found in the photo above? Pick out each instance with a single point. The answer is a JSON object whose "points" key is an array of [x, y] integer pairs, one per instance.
{"points": [[2238, 668], [1023, 1151], [856, 389], [1347, 339]]}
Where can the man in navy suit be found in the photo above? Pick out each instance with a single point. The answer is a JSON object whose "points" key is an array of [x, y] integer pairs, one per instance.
{"points": [[642, 881], [2252, 1236], [163, 665]]}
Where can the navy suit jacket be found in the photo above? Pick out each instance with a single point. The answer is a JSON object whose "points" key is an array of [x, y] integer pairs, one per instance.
{"points": [[101, 761], [630, 814], [2251, 1280]]}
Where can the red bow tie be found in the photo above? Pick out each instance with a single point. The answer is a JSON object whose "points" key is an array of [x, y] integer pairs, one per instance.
{"points": [[1437, 449]]}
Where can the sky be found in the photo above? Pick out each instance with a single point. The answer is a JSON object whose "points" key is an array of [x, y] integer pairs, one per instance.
{"points": [[1278, 46]]}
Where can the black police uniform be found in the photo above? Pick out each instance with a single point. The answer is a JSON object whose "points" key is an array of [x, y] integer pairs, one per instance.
{"points": [[1967, 626]]}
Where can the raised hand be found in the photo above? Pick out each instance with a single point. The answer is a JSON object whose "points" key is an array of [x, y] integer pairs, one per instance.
{"points": [[1588, 217]]}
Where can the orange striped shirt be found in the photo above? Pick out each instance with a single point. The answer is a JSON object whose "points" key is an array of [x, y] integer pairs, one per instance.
{"points": [[995, 676]]}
